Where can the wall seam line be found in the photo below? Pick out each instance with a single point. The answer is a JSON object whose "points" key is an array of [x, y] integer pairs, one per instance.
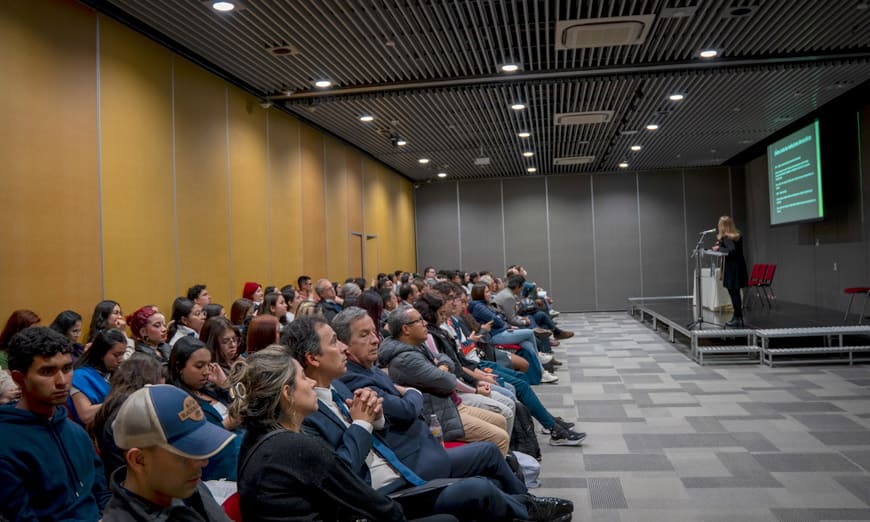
{"points": [[229, 188], [549, 253], [459, 225], [100, 164], [594, 245], [174, 170], [639, 231], [503, 232], [269, 228]]}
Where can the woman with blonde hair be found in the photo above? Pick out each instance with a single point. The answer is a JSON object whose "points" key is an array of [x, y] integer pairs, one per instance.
{"points": [[729, 241]]}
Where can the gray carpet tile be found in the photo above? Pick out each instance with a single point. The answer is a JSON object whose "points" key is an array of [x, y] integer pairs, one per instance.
{"points": [[670, 440]]}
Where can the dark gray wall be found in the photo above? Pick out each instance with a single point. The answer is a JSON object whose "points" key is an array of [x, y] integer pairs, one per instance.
{"points": [[592, 241], [806, 254]]}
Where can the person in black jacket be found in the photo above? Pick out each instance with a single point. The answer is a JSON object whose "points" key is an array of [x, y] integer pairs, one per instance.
{"points": [[734, 276]]}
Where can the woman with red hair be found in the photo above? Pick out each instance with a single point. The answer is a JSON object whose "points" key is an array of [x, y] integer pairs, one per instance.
{"points": [[148, 326], [263, 330], [19, 320], [253, 291]]}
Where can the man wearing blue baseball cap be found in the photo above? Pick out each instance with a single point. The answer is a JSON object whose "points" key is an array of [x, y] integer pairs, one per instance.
{"points": [[167, 443]]}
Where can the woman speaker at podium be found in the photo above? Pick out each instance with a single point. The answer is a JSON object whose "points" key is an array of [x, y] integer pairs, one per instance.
{"points": [[734, 276]]}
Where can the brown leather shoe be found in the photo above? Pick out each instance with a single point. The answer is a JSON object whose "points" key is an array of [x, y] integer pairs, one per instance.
{"points": [[543, 332], [564, 334]]}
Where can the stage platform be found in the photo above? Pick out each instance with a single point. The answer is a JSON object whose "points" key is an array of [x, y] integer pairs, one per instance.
{"points": [[786, 333]]}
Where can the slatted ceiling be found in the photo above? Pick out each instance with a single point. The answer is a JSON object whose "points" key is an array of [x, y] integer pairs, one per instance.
{"points": [[345, 41]]}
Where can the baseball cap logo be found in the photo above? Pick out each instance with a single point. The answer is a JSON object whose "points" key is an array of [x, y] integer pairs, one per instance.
{"points": [[190, 410]]}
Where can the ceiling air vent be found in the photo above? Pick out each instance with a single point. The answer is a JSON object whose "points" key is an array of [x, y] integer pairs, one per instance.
{"points": [[282, 49], [573, 160], [602, 32], [582, 118]]}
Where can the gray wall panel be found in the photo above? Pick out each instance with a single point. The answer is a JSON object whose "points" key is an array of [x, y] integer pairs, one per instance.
{"points": [[481, 226], [437, 226], [525, 220], [663, 249], [617, 239], [572, 256]]}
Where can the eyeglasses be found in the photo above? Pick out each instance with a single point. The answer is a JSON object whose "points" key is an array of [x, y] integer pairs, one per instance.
{"points": [[415, 321]]}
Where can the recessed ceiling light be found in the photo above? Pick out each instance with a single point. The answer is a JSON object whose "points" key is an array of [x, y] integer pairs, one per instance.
{"points": [[528, 154], [524, 134], [636, 148], [223, 7], [442, 174], [322, 84], [677, 97], [709, 53], [401, 143], [518, 106], [532, 169], [510, 67], [366, 118], [423, 161], [623, 165], [652, 127]]}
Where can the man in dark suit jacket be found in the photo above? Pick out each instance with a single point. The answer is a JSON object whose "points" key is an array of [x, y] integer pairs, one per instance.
{"points": [[349, 428], [409, 433]]}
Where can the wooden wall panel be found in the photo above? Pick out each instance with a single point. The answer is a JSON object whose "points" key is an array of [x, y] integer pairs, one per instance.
{"points": [[286, 194], [249, 206], [136, 128], [404, 226], [313, 200], [202, 197], [49, 197], [376, 215], [336, 193]]}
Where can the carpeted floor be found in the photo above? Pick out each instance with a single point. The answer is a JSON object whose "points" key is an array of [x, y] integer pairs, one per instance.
{"points": [[671, 441]]}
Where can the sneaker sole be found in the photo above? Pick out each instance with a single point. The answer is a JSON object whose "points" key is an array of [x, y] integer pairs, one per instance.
{"points": [[566, 442]]}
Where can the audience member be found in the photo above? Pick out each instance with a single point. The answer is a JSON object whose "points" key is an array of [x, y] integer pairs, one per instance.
{"points": [[304, 288], [69, 324], [254, 292], [48, 467], [191, 368], [222, 338], [167, 444], [90, 382], [275, 304], [18, 320], [9, 391], [214, 310], [187, 320], [107, 314], [199, 295], [263, 330], [329, 305], [149, 330]]}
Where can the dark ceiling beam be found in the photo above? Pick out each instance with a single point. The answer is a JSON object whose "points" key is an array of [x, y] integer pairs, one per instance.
{"points": [[573, 74]]}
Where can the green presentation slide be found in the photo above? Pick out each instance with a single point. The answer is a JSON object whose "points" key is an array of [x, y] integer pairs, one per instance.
{"points": [[795, 177]]}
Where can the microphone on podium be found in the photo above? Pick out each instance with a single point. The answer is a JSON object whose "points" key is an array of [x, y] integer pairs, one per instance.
{"points": [[708, 231]]}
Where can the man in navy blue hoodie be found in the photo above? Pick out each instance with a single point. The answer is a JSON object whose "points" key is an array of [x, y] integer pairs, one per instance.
{"points": [[48, 467]]}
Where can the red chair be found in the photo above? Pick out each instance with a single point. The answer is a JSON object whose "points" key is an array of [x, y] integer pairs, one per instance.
{"points": [[755, 279], [766, 285], [852, 292], [233, 508]]}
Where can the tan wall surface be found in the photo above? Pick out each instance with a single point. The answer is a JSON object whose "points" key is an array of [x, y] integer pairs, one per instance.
{"points": [[185, 180]]}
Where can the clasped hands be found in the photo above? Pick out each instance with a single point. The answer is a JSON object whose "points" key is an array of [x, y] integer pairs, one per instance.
{"points": [[365, 405]]}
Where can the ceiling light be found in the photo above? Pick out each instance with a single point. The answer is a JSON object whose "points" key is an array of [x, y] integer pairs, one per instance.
{"points": [[623, 165], [510, 67], [677, 97], [401, 143], [652, 127], [442, 174], [709, 53], [528, 154], [223, 7], [524, 134], [423, 161], [366, 118], [532, 169], [518, 106], [636, 148], [322, 84]]}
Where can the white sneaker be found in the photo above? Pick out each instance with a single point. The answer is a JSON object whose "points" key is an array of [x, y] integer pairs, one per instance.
{"points": [[548, 378], [545, 357]]}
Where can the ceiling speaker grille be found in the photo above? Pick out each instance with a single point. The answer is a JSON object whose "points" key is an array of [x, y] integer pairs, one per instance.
{"points": [[602, 32]]}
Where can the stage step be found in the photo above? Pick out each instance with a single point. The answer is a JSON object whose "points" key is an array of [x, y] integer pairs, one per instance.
{"points": [[737, 349], [768, 354]]}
